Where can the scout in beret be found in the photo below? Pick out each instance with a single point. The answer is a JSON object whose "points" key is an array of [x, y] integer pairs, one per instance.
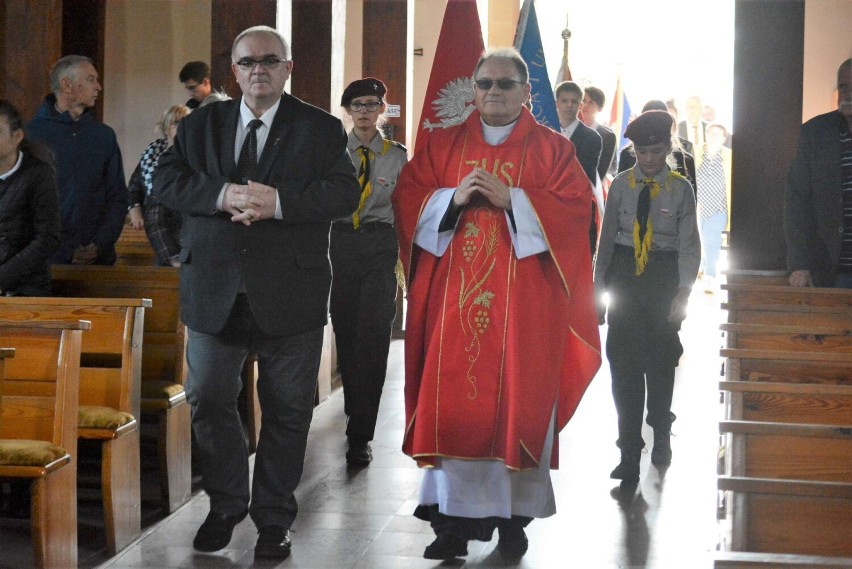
{"points": [[650, 127], [363, 252], [363, 88], [647, 262], [644, 126]]}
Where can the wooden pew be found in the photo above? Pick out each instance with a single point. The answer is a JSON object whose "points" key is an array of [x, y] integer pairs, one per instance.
{"points": [[788, 516], [752, 560], [38, 430], [163, 358], [801, 338], [789, 451], [788, 441], [109, 395], [787, 367], [788, 306], [163, 365], [806, 403], [749, 276], [133, 248], [758, 294]]}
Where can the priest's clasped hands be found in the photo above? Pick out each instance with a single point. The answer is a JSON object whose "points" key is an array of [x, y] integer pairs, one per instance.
{"points": [[250, 203], [488, 185]]}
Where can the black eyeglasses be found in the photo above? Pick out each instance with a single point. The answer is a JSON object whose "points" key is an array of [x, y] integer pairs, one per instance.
{"points": [[267, 63], [371, 107], [503, 84]]}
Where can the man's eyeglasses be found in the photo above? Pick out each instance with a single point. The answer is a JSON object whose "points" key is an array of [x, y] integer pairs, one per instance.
{"points": [[503, 84], [267, 63], [371, 107], [191, 87]]}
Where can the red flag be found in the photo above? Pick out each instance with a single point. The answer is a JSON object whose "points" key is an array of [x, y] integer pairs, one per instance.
{"points": [[449, 96]]}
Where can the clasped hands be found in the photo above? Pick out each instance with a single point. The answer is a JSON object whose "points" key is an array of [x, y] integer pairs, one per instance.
{"points": [[250, 203], [486, 184]]}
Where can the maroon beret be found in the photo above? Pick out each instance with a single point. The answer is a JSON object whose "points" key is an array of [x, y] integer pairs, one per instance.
{"points": [[650, 128], [362, 88]]}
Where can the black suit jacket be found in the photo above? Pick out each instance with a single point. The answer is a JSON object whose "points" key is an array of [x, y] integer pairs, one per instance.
{"points": [[813, 216], [683, 130], [283, 264], [588, 144], [607, 150]]}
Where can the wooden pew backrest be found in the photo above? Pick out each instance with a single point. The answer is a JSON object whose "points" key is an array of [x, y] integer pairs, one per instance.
{"points": [[42, 382], [817, 404], [789, 451], [789, 516], [164, 334]]}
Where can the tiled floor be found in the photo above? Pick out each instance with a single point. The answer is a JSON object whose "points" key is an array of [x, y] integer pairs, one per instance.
{"points": [[362, 520]]}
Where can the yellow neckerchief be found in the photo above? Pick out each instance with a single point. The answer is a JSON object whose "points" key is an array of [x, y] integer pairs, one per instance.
{"points": [[641, 249], [367, 155]]}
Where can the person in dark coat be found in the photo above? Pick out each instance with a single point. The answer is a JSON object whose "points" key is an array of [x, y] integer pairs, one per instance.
{"points": [[587, 141], [258, 180], [29, 211], [818, 198], [89, 172]]}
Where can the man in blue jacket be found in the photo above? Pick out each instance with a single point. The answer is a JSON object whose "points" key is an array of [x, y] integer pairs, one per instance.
{"points": [[89, 172]]}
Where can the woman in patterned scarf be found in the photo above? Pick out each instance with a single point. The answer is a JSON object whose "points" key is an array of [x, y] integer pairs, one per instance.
{"points": [[161, 224], [713, 163]]}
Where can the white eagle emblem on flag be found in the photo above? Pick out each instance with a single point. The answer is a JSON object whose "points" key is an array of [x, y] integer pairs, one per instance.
{"points": [[453, 105]]}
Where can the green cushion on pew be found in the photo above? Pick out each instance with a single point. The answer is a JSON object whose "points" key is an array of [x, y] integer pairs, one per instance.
{"points": [[160, 389], [94, 417], [21, 452]]}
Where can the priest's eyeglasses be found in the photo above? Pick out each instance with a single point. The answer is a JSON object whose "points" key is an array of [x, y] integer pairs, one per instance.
{"points": [[371, 107], [267, 63], [503, 84]]}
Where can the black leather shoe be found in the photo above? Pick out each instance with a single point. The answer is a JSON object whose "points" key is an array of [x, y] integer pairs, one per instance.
{"points": [[215, 533], [661, 455], [445, 547], [628, 469], [513, 543], [274, 542], [359, 454]]}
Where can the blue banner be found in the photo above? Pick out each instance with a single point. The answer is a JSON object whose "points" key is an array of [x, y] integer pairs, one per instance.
{"points": [[541, 97]]}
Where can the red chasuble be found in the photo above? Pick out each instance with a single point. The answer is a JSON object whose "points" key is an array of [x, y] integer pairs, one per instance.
{"points": [[494, 343]]}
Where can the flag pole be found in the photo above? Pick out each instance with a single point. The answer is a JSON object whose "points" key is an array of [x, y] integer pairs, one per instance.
{"points": [[522, 24], [566, 35]]}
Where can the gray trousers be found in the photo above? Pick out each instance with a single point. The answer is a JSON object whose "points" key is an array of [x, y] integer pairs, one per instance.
{"points": [[288, 368]]}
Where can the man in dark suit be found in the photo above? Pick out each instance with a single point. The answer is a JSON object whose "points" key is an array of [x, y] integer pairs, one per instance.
{"points": [[593, 102], [259, 180], [818, 198], [693, 128], [586, 141]]}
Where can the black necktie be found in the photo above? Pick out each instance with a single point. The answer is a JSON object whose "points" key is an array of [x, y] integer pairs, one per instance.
{"points": [[643, 208], [248, 153]]}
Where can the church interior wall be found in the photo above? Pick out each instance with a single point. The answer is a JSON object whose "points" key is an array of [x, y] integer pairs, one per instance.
{"points": [[146, 44], [827, 44]]}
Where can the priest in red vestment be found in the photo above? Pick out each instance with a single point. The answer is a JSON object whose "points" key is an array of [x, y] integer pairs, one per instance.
{"points": [[501, 335]]}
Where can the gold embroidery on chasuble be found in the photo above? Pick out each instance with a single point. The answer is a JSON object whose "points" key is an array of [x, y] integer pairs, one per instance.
{"points": [[482, 261]]}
